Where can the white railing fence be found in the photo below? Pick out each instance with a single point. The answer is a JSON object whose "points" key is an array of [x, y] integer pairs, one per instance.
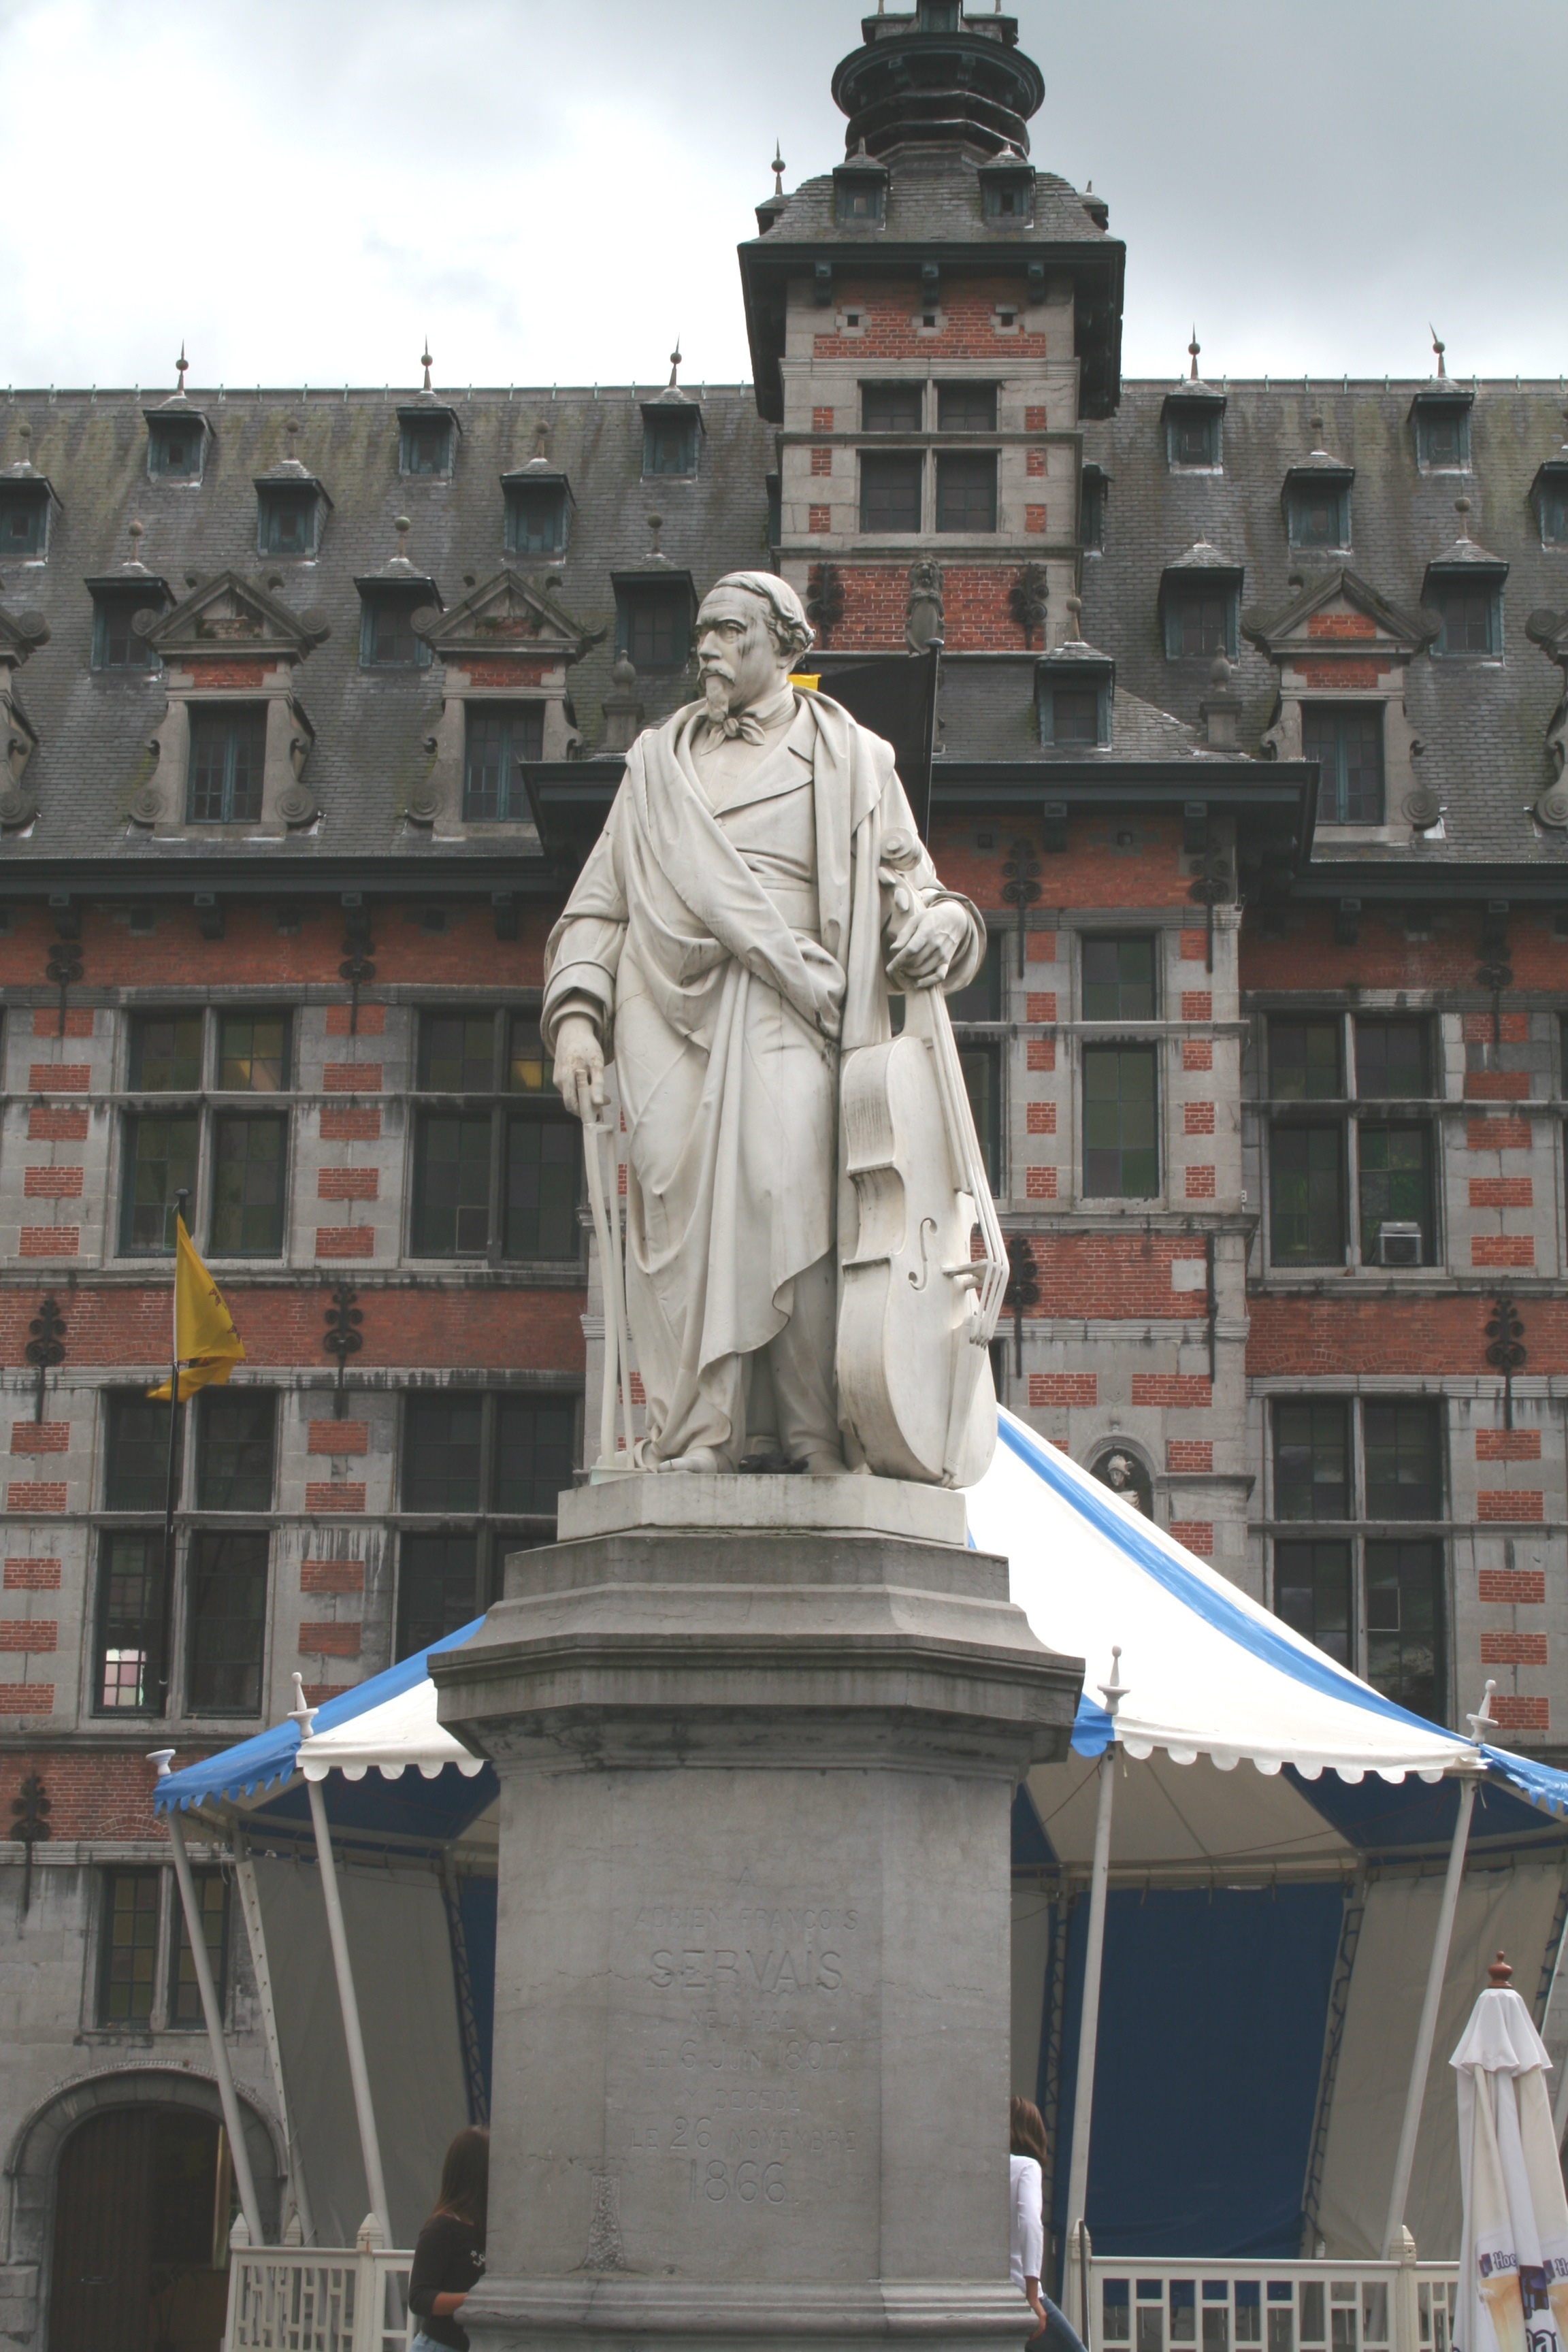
{"points": [[1227, 2307], [319, 2298]]}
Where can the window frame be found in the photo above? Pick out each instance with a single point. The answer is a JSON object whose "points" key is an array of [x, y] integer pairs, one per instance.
{"points": [[205, 1879], [878, 465], [30, 498], [234, 717], [492, 1529], [1444, 590], [408, 429], [1364, 1536], [953, 466], [892, 388], [273, 500], [650, 595], [149, 1879], [502, 1105], [527, 714], [516, 499], [106, 603], [1428, 413], [1299, 494], [1186, 593], [1342, 712], [1356, 1109], [159, 430], [378, 601], [202, 1100], [1123, 1049], [1181, 413], [949, 392], [201, 1541], [657, 425]]}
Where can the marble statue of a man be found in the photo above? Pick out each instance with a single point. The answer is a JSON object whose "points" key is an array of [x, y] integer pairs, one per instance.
{"points": [[729, 938]]}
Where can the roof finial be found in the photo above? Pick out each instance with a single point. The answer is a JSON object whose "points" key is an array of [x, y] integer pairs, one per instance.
{"points": [[424, 362], [1074, 635], [654, 524], [674, 364], [402, 526], [292, 427], [134, 529], [181, 364], [778, 167], [1195, 347], [1462, 508], [1439, 346]]}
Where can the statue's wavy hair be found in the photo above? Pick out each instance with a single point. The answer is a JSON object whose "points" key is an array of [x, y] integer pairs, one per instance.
{"points": [[785, 614]]}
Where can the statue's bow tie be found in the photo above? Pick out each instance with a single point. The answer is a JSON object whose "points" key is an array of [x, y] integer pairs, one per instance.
{"points": [[737, 722]]}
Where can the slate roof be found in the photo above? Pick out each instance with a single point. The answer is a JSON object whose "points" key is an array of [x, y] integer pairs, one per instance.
{"points": [[1483, 721], [370, 725], [934, 198], [987, 712]]}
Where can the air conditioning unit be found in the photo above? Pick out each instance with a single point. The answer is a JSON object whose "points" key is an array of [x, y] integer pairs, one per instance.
{"points": [[1398, 1244]]}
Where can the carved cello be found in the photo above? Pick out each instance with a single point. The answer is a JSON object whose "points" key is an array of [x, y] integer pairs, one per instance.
{"points": [[916, 1310]]}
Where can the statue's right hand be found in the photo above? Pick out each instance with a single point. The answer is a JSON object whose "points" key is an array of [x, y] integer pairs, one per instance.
{"points": [[580, 1066]]}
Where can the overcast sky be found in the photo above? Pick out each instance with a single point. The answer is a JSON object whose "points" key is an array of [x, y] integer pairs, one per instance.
{"points": [[304, 189]]}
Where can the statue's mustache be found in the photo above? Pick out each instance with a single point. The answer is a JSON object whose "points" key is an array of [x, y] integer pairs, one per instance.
{"points": [[712, 667]]}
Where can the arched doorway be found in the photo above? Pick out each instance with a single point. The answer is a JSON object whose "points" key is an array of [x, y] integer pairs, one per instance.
{"points": [[143, 2200]]}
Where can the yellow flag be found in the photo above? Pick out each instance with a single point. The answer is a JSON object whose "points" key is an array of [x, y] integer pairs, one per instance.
{"points": [[802, 677], [206, 1345]]}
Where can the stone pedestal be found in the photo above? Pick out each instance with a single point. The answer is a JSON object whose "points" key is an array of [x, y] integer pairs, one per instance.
{"points": [[758, 1740]]}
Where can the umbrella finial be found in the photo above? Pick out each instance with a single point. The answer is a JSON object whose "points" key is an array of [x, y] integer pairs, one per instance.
{"points": [[1115, 1690], [1500, 1973], [163, 1758], [1479, 1723], [305, 1717]]}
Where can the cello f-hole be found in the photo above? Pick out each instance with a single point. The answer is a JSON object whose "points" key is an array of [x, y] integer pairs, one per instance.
{"points": [[918, 1281]]}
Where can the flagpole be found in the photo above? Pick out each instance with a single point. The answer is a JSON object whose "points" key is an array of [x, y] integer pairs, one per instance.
{"points": [[181, 1197]]}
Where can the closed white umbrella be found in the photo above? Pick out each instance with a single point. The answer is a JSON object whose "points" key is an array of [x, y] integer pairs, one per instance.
{"points": [[1514, 2258]]}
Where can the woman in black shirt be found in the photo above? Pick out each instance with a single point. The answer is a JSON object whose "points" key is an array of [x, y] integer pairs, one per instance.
{"points": [[449, 2258]]}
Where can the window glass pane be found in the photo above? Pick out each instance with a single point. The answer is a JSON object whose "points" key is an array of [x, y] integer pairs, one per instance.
{"points": [[1554, 513], [130, 1959], [1395, 1183], [1311, 1462], [1445, 436], [891, 407], [543, 1159], [1391, 1060], [966, 407], [136, 1457], [533, 1452], [287, 522], [130, 1643], [982, 1081], [387, 640], [966, 491], [161, 1160], [438, 1589], [1120, 1150], [1118, 980], [185, 1994], [166, 1053], [1466, 618], [1304, 1060], [1316, 517], [858, 201], [229, 750], [427, 444], [653, 626], [536, 520], [1312, 1593], [527, 1072], [982, 1000], [1075, 715], [247, 1187], [23, 520], [1197, 620], [891, 491], [1404, 1471], [1307, 1202], [234, 1461], [457, 1052], [1193, 440], [452, 1187], [228, 1617], [669, 445], [441, 1438], [1347, 742], [253, 1053], [1092, 510], [115, 644], [497, 737], [1405, 1624]]}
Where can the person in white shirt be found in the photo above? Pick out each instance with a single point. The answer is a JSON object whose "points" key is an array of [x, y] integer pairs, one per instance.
{"points": [[1026, 2134]]}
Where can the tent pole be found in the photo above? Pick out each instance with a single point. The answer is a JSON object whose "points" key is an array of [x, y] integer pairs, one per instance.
{"points": [[262, 1968], [228, 2097], [370, 2147], [1089, 2020], [1087, 2031], [1427, 2031]]}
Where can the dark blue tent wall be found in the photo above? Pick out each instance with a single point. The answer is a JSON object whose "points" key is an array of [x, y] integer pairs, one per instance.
{"points": [[1211, 2034]]}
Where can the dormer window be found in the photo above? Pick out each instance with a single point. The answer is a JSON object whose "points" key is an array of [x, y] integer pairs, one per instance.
{"points": [[1464, 588], [498, 735], [1074, 689], [1193, 430], [670, 440], [117, 643], [653, 621], [176, 447], [536, 514], [1007, 189], [1443, 431], [1552, 501], [860, 203], [1094, 489], [1317, 507], [228, 754], [24, 518], [286, 517], [1199, 595], [427, 441], [387, 639]]}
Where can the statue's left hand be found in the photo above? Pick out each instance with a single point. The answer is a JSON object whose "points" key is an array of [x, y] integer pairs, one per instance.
{"points": [[924, 952]]}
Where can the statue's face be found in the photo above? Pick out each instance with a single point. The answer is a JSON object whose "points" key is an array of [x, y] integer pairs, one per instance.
{"points": [[735, 649]]}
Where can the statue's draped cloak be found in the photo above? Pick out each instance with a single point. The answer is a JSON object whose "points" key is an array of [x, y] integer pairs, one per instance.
{"points": [[729, 955]]}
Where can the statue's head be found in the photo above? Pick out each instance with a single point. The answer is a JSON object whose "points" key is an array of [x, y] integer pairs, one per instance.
{"points": [[751, 630]]}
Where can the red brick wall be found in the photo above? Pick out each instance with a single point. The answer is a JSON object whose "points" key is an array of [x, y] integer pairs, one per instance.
{"points": [[1094, 871], [888, 332], [975, 611], [412, 1325], [1515, 1587], [1302, 1337], [254, 953], [1309, 957]]}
